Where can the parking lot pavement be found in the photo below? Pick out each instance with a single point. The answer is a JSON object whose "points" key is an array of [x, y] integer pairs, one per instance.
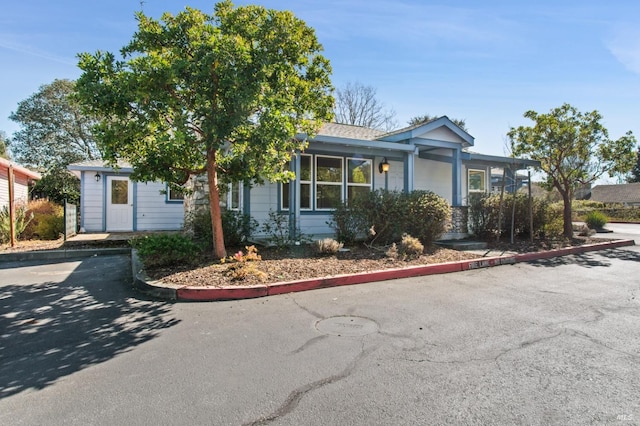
{"points": [[622, 231], [548, 342]]}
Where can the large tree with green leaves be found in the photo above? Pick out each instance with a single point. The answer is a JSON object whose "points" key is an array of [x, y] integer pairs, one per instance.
{"points": [[3, 145], [54, 133], [573, 148], [224, 94], [634, 175], [53, 130]]}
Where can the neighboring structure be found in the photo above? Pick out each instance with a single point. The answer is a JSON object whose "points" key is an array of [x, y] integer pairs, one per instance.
{"points": [[513, 182], [341, 161], [111, 202], [21, 177], [627, 194]]}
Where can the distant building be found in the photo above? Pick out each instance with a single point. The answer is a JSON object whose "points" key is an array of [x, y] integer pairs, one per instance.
{"points": [[22, 178], [627, 194]]}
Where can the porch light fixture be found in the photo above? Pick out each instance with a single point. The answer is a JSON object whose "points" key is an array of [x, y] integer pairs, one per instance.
{"points": [[97, 177], [383, 167]]}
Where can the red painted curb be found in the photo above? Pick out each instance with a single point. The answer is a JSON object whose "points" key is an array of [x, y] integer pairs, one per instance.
{"points": [[364, 277], [221, 293], [234, 293], [527, 257], [486, 262]]}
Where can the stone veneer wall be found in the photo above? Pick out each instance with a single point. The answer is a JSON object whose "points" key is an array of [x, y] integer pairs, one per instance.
{"points": [[198, 199], [459, 220]]}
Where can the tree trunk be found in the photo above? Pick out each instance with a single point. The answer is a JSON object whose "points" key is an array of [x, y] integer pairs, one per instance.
{"points": [[566, 215], [219, 250]]}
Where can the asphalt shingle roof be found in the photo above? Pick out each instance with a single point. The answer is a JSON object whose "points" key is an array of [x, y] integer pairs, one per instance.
{"points": [[348, 131], [622, 193]]}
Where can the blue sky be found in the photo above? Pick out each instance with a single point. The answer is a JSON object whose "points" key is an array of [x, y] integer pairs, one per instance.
{"points": [[485, 61]]}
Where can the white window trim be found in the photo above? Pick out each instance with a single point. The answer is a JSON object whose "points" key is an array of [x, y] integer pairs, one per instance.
{"points": [[341, 184], [230, 196], [362, 185], [302, 182]]}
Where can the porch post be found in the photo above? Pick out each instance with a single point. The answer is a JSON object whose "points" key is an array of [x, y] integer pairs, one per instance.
{"points": [[511, 178], [409, 170], [456, 178], [294, 198]]}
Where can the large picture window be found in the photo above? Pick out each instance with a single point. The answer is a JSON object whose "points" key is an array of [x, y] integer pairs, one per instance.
{"points": [[476, 181], [326, 180]]}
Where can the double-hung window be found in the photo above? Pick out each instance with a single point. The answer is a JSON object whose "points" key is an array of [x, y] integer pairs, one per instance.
{"points": [[232, 198], [305, 185], [327, 180], [358, 177]]}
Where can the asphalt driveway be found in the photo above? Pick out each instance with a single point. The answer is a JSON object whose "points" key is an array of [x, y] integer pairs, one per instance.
{"points": [[622, 231], [551, 342]]}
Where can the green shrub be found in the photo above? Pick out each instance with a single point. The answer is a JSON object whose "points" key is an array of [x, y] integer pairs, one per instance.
{"points": [[596, 220], [236, 227], [160, 250], [383, 216], [50, 226], [22, 219], [426, 216], [39, 209], [484, 214], [346, 224], [276, 227], [554, 226]]}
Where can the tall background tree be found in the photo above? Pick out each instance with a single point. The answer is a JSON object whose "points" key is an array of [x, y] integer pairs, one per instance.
{"points": [[634, 175], [4, 153], [574, 149], [357, 104], [419, 119], [224, 94], [54, 133], [53, 130]]}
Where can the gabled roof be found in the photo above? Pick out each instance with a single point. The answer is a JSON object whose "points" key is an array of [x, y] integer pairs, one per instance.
{"points": [[621, 193], [99, 165], [418, 130], [4, 164]]}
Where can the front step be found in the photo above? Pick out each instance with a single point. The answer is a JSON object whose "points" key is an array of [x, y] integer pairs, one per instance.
{"points": [[462, 245]]}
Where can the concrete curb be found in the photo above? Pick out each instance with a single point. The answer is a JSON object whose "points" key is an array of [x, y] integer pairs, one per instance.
{"points": [[210, 294], [60, 254]]}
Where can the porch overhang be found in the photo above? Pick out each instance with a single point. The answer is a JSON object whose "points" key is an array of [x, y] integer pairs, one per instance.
{"points": [[498, 161], [363, 144]]}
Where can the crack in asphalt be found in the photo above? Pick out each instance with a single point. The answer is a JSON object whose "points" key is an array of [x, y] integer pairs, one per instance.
{"points": [[307, 310], [309, 343], [580, 334], [489, 358], [296, 396]]}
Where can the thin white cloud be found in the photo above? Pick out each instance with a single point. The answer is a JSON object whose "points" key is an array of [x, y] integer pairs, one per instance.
{"points": [[624, 45], [32, 51]]}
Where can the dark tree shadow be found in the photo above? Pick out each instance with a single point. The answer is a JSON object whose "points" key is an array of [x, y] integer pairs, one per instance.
{"points": [[53, 329], [590, 259]]}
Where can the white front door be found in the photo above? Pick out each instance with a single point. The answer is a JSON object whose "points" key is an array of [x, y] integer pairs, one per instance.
{"points": [[119, 204]]}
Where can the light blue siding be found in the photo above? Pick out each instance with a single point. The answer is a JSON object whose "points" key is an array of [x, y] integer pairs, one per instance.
{"points": [[154, 213]]}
